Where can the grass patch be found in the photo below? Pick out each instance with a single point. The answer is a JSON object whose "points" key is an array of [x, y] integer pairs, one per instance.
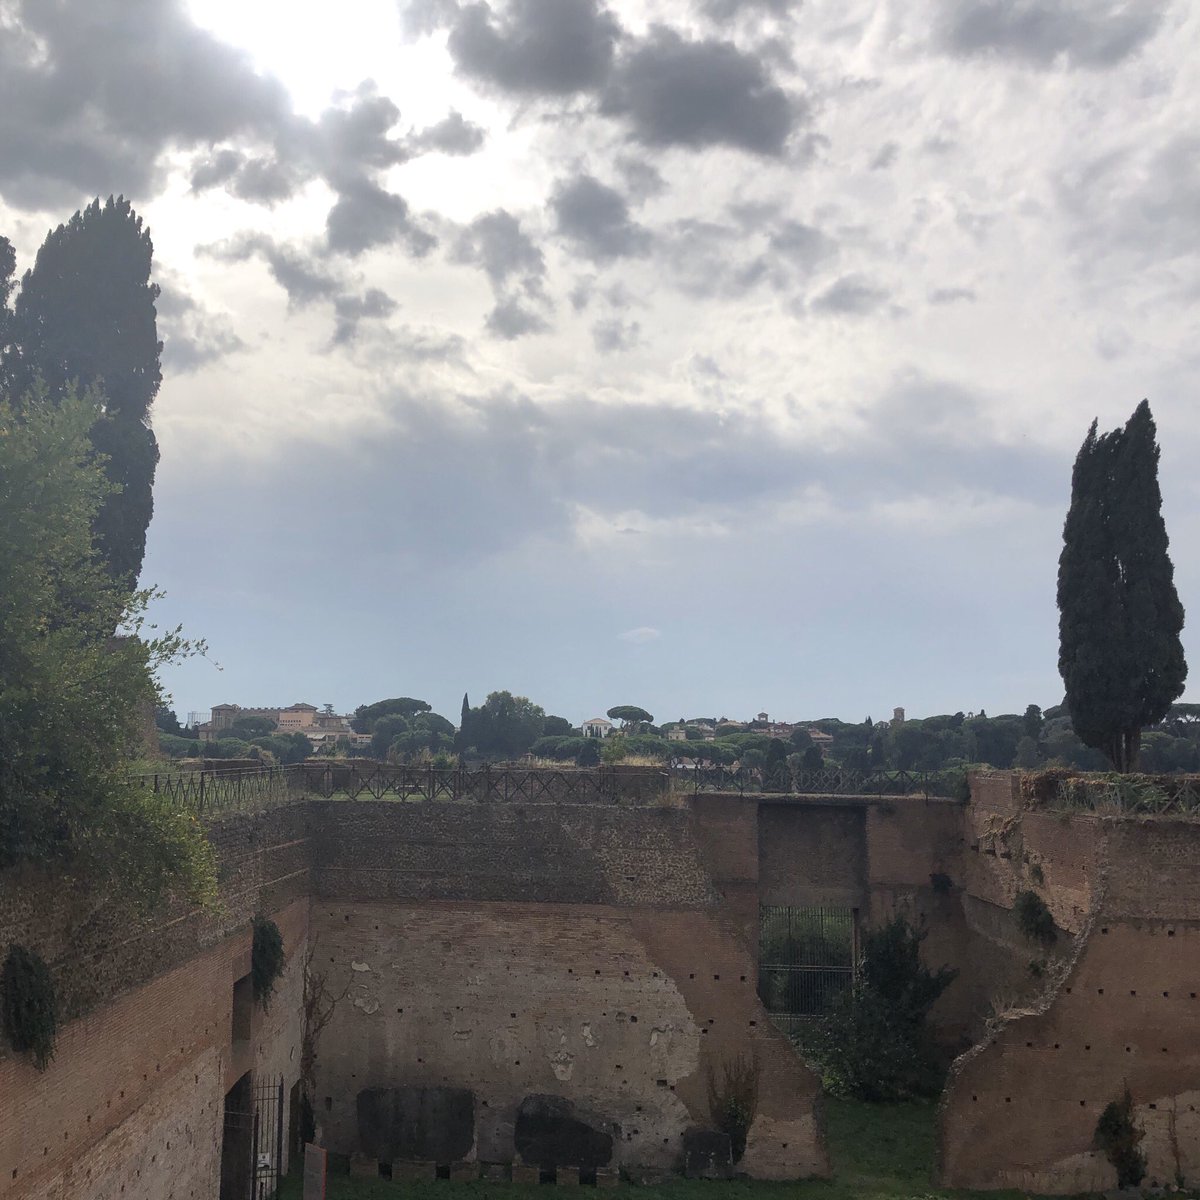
{"points": [[879, 1152]]}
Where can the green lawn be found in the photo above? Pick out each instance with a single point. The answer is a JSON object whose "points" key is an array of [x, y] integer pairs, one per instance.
{"points": [[879, 1153]]}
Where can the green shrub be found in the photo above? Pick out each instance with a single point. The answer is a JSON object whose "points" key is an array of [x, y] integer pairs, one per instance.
{"points": [[1118, 1137], [876, 1044], [733, 1100], [266, 959], [30, 1007], [1034, 919]]}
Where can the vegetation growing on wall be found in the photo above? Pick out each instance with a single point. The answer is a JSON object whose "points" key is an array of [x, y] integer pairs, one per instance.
{"points": [[266, 959], [1034, 919], [876, 1044], [733, 1099], [29, 1006], [1120, 1138]]}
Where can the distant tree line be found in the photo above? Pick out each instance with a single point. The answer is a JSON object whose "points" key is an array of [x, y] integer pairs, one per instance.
{"points": [[507, 727]]}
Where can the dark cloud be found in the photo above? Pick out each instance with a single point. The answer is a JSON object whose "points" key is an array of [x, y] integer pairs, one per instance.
{"points": [[348, 147], [308, 280], [1082, 33], [851, 296], [951, 295], [367, 215], [727, 10], [885, 156], [536, 47], [497, 243], [1138, 206], [515, 267], [216, 169], [710, 259], [676, 92], [305, 280], [454, 134], [642, 179], [595, 219], [92, 93], [802, 247], [511, 318], [348, 311], [612, 334], [192, 337]]}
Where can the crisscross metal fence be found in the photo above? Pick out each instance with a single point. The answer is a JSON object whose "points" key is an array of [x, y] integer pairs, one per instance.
{"points": [[212, 791], [219, 790], [357, 779], [821, 782]]}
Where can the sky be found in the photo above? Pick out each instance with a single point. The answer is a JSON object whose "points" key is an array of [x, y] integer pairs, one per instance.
{"points": [[715, 356]]}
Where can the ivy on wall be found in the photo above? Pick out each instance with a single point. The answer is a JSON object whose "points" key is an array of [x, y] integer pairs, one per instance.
{"points": [[266, 959], [1034, 919], [30, 1009]]}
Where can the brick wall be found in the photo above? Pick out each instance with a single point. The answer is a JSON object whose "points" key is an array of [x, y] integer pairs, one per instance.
{"points": [[132, 1103], [1021, 1107], [618, 1009]]}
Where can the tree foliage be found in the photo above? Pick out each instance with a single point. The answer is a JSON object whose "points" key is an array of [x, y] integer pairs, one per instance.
{"points": [[876, 1044], [29, 1005], [85, 317], [1120, 618], [630, 714], [366, 715], [72, 696], [1120, 1139], [266, 959], [505, 726]]}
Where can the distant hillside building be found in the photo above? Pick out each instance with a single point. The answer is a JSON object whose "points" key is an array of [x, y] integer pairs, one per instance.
{"points": [[597, 727], [296, 718]]}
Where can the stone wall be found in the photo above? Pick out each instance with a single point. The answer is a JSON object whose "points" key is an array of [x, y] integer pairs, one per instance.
{"points": [[1021, 1108], [574, 951], [606, 954], [132, 1103]]}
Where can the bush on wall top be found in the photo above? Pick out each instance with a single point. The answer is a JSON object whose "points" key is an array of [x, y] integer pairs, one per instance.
{"points": [[266, 959]]}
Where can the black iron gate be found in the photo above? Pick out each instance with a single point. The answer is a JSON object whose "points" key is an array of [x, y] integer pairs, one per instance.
{"points": [[806, 960], [252, 1155]]}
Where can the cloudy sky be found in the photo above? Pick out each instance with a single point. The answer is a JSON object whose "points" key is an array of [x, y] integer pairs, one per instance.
{"points": [[709, 355]]}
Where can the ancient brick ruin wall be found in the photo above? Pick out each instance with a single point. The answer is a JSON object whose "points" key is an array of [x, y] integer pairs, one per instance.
{"points": [[576, 951], [131, 1105], [1021, 1109], [464, 914]]}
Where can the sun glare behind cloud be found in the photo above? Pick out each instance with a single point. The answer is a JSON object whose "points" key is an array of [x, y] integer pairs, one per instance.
{"points": [[314, 50]]}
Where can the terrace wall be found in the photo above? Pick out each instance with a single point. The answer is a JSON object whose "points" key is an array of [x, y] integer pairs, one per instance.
{"points": [[132, 1103], [1021, 1108]]}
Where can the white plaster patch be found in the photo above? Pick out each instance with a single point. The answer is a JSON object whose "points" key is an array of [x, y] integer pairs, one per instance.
{"points": [[357, 966], [368, 1004], [586, 1034], [563, 1065]]}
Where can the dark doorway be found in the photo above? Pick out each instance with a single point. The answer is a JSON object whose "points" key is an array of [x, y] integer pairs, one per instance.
{"points": [[237, 1145], [252, 1149], [295, 1148]]}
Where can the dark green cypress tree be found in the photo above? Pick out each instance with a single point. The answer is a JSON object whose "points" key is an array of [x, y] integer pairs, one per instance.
{"points": [[85, 313], [462, 741], [1120, 618]]}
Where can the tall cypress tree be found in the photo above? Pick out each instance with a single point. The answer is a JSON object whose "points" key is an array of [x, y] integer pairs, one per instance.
{"points": [[85, 313], [1120, 618], [463, 741]]}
